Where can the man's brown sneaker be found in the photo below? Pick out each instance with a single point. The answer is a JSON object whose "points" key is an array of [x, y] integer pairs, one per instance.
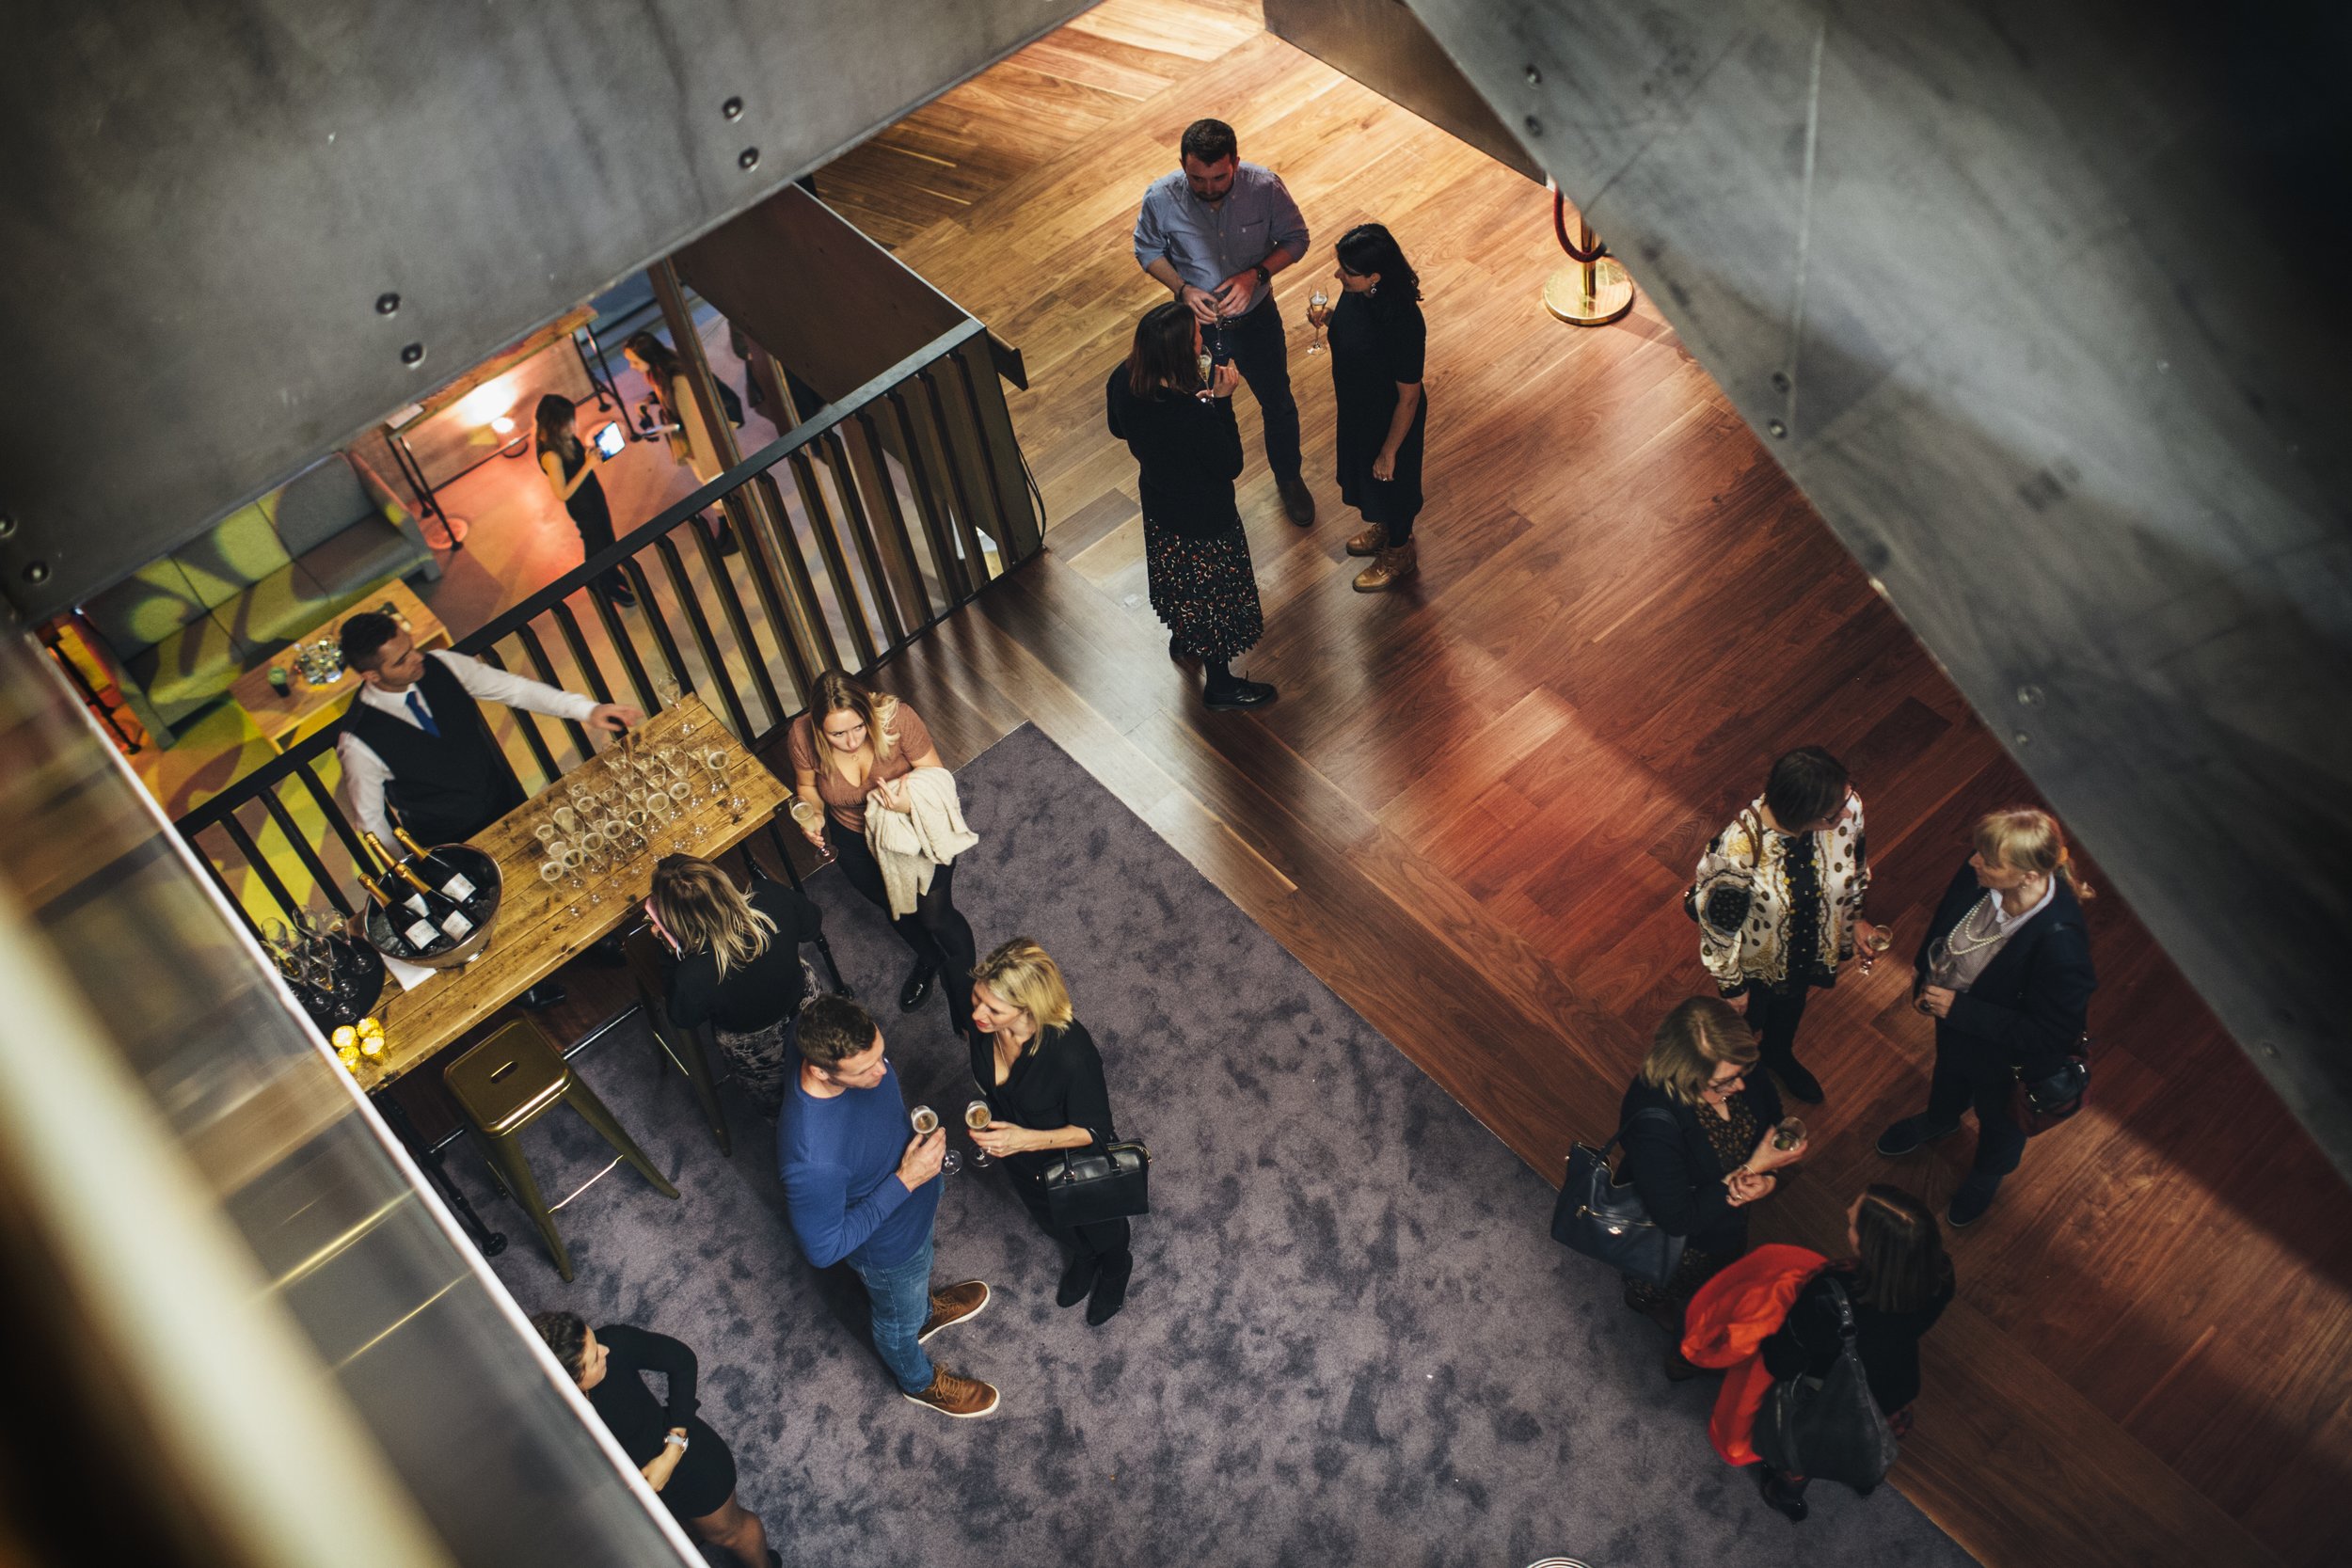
{"points": [[960, 1397], [953, 1305]]}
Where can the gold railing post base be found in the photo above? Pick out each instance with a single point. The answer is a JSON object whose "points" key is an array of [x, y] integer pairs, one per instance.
{"points": [[1589, 293]]}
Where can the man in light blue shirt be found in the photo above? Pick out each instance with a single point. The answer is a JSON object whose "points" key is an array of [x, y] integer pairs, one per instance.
{"points": [[1214, 234]]}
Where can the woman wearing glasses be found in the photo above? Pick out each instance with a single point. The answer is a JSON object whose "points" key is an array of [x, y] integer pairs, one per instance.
{"points": [[1778, 901], [1698, 1166], [852, 743]]}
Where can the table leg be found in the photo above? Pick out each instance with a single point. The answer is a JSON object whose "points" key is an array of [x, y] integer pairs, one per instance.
{"points": [[824, 948], [489, 1242]]}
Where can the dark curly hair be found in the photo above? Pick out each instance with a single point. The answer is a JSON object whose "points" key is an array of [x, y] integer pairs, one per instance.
{"points": [[566, 1335], [832, 1029], [363, 638]]}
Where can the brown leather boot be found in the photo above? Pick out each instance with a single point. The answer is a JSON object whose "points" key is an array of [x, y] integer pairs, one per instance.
{"points": [[953, 1305], [1370, 542], [960, 1397], [1388, 568]]}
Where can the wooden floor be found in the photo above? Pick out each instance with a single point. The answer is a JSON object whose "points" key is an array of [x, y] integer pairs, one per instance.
{"points": [[1473, 808]]}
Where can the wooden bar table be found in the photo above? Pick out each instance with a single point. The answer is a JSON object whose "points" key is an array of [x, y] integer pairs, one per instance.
{"points": [[539, 928]]}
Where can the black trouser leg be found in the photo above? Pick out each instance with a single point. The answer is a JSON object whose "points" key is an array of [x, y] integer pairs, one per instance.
{"points": [[1963, 1081], [1257, 347], [1103, 1245], [1774, 1014], [596, 537], [937, 933]]}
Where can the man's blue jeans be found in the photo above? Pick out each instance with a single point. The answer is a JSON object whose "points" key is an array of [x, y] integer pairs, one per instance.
{"points": [[901, 1295]]}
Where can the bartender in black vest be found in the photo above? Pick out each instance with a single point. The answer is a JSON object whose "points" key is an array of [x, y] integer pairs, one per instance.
{"points": [[416, 739]]}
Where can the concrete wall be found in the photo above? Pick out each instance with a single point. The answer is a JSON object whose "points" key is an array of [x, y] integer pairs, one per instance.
{"points": [[2041, 305]]}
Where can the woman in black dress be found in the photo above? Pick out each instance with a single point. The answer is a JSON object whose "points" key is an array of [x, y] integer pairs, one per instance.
{"points": [[680, 1457], [1037, 1069], [1377, 343], [571, 469], [1179, 422], [1697, 1128], [1897, 1281], [738, 966]]}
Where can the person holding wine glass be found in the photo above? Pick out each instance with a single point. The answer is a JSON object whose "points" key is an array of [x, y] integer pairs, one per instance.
{"points": [[1379, 340], [2006, 972], [1699, 1126], [1042, 1092], [416, 740], [1778, 901], [735, 963], [1214, 233], [687, 1463], [853, 743], [1179, 423]]}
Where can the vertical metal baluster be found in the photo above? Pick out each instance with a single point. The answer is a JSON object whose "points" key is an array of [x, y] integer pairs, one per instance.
{"points": [[617, 630], [539, 662], [260, 865], [894, 517], [333, 811], [961, 359], [528, 725], [304, 852], [731, 606], [861, 534], [671, 658], [229, 897], [967, 525], [675, 564], [952, 576], [771, 606], [820, 524]]}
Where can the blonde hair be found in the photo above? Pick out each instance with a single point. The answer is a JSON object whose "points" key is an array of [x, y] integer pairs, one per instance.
{"points": [[835, 692], [701, 910], [1020, 971], [2024, 838], [1690, 1042]]}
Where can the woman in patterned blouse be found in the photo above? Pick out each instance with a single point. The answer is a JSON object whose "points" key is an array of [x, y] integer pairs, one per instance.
{"points": [[1778, 901]]}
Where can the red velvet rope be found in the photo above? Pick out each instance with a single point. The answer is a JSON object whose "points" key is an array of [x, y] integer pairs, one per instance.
{"points": [[1559, 227]]}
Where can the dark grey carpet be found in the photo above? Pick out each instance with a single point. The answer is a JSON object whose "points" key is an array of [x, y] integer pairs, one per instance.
{"points": [[1349, 1340]]}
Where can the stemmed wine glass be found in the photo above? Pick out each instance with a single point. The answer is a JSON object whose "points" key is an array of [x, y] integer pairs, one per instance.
{"points": [[1208, 375], [975, 1120], [1318, 300], [925, 1122], [1883, 939]]}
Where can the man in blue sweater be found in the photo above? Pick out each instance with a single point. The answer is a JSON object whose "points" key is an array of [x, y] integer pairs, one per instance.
{"points": [[861, 1194]]}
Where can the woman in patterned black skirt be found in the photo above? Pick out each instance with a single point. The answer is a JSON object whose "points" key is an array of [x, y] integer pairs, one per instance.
{"points": [[1179, 423]]}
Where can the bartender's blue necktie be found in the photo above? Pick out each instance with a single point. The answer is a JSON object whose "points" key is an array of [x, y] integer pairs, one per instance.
{"points": [[425, 720]]}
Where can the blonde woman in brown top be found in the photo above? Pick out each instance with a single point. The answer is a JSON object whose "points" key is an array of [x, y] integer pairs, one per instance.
{"points": [[851, 742]]}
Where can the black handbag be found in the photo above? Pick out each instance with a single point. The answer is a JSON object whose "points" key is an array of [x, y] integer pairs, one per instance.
{"points": [[1827, 1428], [2046, 1096], [1087, 1186], [1597, 1217]]}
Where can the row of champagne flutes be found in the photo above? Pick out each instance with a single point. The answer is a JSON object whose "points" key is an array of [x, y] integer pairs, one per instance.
{"points": [[925, 1122]]}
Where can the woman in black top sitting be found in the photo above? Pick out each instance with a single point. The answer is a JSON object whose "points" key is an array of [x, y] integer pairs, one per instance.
{"points": [[680, 1457], [1179, 423], [1897, 1281], [1378, 342], [571, 466], [1037, 1069], [1697, 1128], [738, 966]]}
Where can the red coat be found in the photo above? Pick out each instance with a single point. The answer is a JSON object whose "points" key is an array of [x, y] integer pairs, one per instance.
{"points": [[1726, 1325]]}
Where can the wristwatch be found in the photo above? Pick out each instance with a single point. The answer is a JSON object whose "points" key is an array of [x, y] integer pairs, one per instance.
{"points": [[1265, 276]]}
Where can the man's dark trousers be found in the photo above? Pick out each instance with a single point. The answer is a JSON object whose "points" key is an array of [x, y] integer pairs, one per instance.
{"points": [[1256, 344]]}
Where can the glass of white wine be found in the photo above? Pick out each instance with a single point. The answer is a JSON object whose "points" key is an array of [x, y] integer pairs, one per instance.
{"points": [[1208, 375], [1319, 300], [1881, 937], [925, 1122], [975, 1118]]}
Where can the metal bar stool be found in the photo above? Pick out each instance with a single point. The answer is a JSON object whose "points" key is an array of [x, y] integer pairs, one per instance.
{"points": [[508, 1081], [689, 1047]]}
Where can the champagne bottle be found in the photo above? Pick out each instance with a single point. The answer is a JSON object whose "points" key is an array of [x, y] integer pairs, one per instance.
{"points": [[439, 913], [454, 884], [417, 935]]}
